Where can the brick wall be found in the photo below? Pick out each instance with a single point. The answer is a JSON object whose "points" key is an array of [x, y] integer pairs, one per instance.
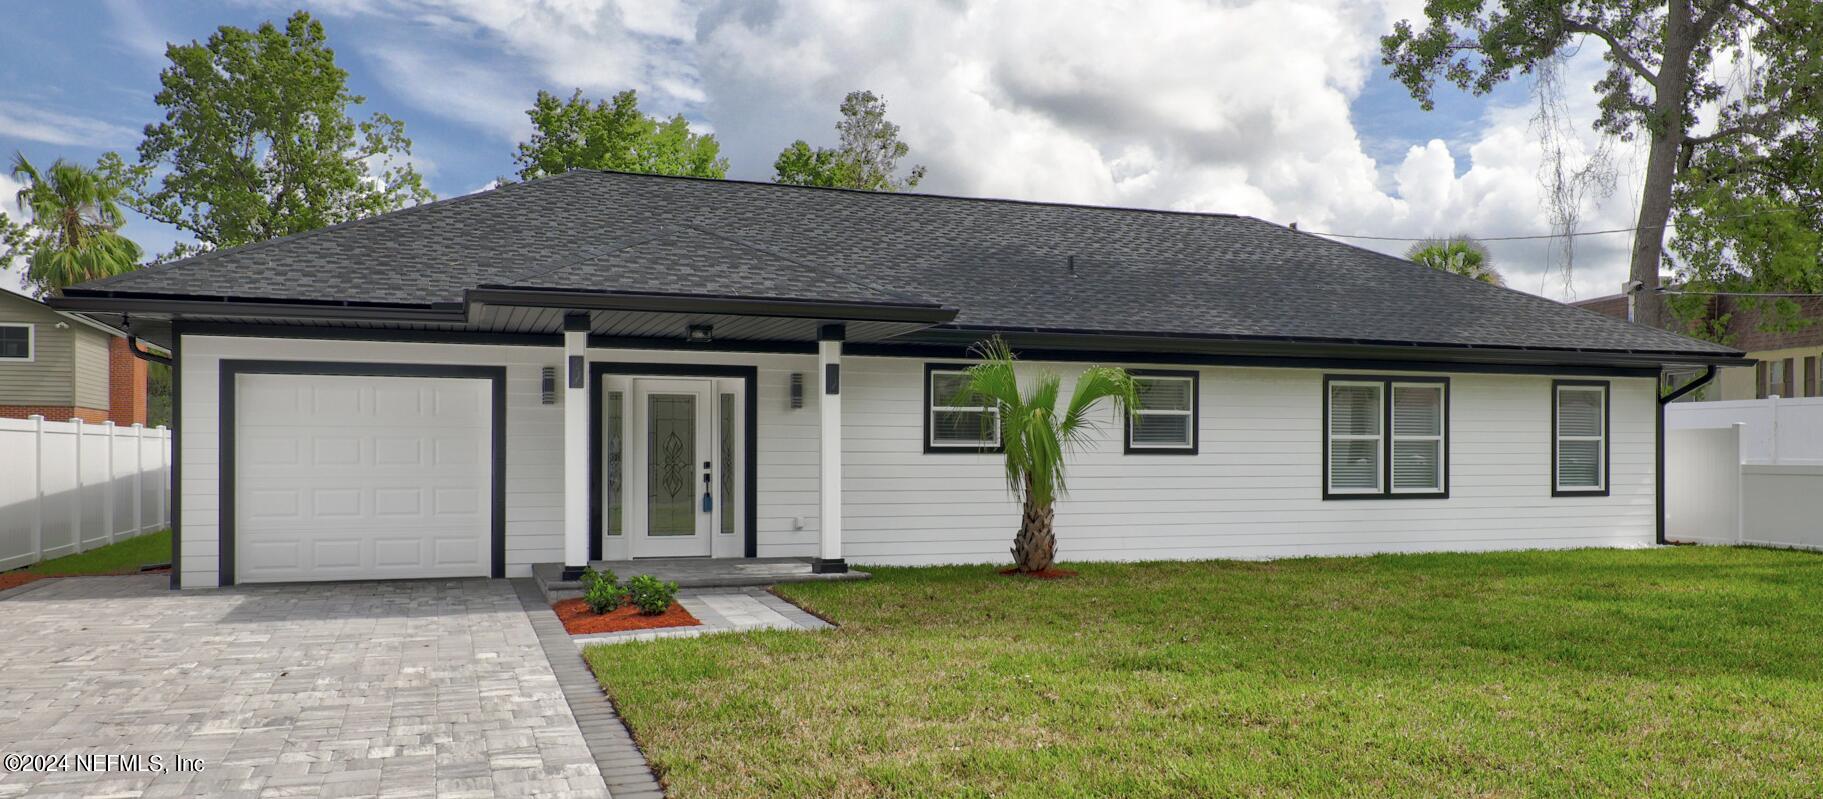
{"points": [[126, 384], [55, 413]]}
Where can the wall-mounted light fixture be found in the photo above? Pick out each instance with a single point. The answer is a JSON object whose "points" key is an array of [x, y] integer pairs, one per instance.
{"points": [[549, 385], [797, 390], [700, 334]]}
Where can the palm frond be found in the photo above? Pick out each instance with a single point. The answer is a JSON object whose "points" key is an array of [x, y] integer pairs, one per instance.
{"points": [[1035, 441]]}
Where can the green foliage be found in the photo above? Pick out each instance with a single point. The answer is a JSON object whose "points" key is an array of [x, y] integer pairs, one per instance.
{"points": [[601, 591], [158, 395], [1750, 207], [1460, 255], [1034, 437], [257, 141], [1663, 68], [651, 595], [576, 134], [867, 157], [73, 236]]}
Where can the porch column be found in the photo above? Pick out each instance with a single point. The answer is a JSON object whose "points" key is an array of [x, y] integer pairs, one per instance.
{"points": [[829, 465], [575, 445]]}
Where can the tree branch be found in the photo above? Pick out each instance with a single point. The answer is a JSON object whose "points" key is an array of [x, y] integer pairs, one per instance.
{"points": [[1616, 49], [1755, 10]]}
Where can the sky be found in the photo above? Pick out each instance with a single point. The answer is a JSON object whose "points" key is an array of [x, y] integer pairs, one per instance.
{"points": [[1278, 109]]}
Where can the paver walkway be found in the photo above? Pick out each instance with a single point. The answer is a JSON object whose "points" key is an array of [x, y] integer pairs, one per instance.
{"points": [[411, 688], [722, 610]]}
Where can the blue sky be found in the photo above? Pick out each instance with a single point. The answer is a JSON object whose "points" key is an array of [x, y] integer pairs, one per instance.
{"points": [[1280, 110]]}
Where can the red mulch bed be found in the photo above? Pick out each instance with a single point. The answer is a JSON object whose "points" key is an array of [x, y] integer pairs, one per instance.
{"points": [[1052, 573], [19, 577], [579, 620], [16, 579]]}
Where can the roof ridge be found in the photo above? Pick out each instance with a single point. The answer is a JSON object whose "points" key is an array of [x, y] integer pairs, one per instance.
{"points": [[918, 194]]}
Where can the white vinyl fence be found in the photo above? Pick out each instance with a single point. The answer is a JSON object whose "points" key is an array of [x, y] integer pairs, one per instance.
{"points": [[1777, 431], [68, 487], [1746, 472]]}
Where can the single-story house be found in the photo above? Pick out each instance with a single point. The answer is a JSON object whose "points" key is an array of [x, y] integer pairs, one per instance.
{"points": [[65, 366], [604, 365]]}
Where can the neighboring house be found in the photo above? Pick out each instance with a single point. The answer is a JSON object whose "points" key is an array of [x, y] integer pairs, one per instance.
{"points": [[65, 366], [1787, 362], [605, 365]]}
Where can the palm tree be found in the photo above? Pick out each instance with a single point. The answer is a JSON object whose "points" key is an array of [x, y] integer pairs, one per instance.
{"points": [[77, 222], [1462, 255], [1036, 439]]}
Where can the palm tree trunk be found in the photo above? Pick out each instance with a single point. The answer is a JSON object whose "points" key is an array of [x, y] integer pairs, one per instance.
{"points": [[1035, 548]]}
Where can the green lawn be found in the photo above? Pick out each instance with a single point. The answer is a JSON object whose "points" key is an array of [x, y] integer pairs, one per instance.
{"points": [[127, 555], [1673, 672]]}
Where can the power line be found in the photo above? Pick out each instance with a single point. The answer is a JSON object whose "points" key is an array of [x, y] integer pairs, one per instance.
{"points": [[1736, 293], [1526, 238]]}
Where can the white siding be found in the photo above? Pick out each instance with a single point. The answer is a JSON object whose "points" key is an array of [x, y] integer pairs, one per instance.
{"points": [[534, 479], [1253, 491]]}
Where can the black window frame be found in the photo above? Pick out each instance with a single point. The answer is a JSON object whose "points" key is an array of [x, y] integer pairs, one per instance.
{"points": [[31, 342], [930, 447], [1607, 439], [1196, 410], [1386, 429]]}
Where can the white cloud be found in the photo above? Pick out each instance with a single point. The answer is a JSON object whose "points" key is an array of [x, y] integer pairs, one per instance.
{"points": [[1239, 107], [12, 278], [37, 123]]}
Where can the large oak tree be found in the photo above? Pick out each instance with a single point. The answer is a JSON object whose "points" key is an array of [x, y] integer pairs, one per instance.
{"points": [[258, 143], [1659, 74]]}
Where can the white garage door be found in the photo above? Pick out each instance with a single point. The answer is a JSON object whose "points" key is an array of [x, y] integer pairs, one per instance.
{"points": [[346, 478]]}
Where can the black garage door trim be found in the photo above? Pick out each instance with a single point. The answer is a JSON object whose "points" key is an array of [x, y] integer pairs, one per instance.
{"points": [[231, 369]]}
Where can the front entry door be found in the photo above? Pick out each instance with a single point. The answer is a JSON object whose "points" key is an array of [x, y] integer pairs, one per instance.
{"points": [[671, 469]]}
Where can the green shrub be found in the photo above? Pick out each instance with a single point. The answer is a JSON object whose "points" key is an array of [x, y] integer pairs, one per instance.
{"points": [[602, 593], [651, 595], [590, 575]]}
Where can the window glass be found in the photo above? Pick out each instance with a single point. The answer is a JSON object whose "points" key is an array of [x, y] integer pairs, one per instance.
{"points": [[728, 464], [1164, 417], [1354, 437], [612, 436], [1581, 429], [957, 419], [16, 341]]}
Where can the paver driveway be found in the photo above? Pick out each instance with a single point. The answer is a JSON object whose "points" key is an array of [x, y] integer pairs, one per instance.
{"points": [[432, 688]]}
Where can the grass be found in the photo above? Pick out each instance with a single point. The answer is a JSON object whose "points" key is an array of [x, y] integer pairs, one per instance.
{"points": [[1671, 672], [127, 555]]}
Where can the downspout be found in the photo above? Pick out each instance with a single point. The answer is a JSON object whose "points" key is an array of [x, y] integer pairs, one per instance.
{"points": [[133, 346], [1708, 375]]}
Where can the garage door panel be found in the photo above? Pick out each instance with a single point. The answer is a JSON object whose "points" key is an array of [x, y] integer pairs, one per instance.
{"points": [[366, 478]]}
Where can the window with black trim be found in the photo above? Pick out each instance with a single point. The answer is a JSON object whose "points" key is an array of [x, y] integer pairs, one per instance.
{"points": [[955, 420], [15, 342], [1579, 437], [1374, 447], [1164, 421]]}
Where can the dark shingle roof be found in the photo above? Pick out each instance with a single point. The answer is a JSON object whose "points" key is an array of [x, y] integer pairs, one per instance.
{"points": [[1004, 264]]}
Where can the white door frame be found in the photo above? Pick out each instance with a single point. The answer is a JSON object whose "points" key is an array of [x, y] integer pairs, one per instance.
{"points": [[723, 541]]}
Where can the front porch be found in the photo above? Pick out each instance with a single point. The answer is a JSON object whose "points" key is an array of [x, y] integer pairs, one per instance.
{"points": [[694, 573]]}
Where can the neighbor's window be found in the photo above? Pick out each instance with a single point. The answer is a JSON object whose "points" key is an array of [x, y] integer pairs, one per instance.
{"points": [[953, 419], [1369, 438], [1580, 440], [16, 342], [1165, 418]]}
